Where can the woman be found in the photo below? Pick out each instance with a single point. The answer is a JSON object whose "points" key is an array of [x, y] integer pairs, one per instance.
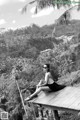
{"points": [[48, 85]]}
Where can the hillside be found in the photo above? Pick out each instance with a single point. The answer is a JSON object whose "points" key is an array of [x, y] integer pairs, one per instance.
{"points": [[33, 46], [26, 45]]}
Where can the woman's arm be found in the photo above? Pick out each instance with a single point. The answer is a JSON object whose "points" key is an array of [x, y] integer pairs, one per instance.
{"points": [[40, 83], [46, 80]]}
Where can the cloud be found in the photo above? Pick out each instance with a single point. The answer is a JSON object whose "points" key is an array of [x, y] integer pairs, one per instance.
{"points": [[13, 21], [2, 2], [22, 0], [32, 10], [19, 10], [2, 21], [43, 12]]}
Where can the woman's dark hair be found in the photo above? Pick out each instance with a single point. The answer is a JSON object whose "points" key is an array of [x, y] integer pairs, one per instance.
{"points": [[48, 67], [54, 72]]}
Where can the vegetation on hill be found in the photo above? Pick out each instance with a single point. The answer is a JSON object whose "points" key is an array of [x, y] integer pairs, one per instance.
{"points": [[31, 48]]}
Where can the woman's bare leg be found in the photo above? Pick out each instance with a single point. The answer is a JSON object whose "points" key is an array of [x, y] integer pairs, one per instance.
{"points": [[38, 90]]}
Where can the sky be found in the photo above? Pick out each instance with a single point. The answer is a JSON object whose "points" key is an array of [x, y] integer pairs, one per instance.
{"points": [[11, 17]]}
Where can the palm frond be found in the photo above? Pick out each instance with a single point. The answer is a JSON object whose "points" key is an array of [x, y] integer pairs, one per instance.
{"points": [[36, 10], [79, 5], [46, 3], [32, 2], [24, 9], [66, 16]]}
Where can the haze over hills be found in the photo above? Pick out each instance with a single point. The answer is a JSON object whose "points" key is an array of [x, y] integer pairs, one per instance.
{"points": [[46, 30]]}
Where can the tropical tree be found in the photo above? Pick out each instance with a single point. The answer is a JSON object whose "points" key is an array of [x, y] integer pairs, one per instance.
{"points": [[45, 3], [64, 18], [40, 4]]}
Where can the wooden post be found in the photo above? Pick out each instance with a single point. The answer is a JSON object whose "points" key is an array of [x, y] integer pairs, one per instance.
{"points": [[51, 117], [41, 112], [33, 110], [56, 116], [47, 115], [21, 97]]}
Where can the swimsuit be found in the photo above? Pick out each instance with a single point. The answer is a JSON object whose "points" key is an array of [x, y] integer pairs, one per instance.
{"points": [[51, 84], [55, 87]]}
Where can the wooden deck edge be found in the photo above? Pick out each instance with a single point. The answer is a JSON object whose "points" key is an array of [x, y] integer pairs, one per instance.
{"points": [[57, 108]]}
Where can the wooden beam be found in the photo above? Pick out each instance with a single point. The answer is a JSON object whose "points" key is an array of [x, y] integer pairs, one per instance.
{"points": [[60, 108], [21, 97]]}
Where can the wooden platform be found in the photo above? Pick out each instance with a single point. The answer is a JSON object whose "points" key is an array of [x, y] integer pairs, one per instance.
{"points": [[65, 99]]}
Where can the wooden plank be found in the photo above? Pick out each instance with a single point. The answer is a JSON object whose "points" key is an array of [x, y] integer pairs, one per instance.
{"points": [[48, 96], [76, 103], [63, 95], [56, 96], [45, 98], [67, 98]]}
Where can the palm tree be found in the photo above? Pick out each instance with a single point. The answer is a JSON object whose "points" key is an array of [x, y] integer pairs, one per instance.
{"points": [[64, 18], [40, 4]]}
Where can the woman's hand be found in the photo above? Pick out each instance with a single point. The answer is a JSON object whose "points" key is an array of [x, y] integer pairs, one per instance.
{"points": [[41, 82], [38, 86]]}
